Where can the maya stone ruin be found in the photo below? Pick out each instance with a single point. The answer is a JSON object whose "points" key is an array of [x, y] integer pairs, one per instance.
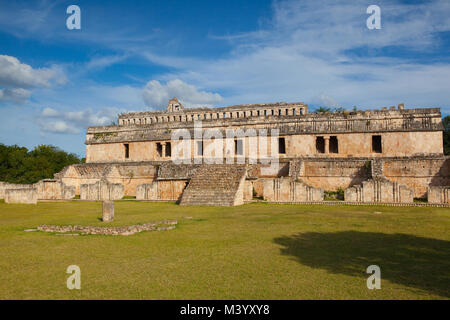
{"points": [[391, 155]]}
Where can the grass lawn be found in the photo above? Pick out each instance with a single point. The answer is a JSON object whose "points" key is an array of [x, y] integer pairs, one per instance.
{"points": [[254, 251]]}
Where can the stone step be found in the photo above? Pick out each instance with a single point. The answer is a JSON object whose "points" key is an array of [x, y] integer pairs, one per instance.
{"points": [[214, 185]]}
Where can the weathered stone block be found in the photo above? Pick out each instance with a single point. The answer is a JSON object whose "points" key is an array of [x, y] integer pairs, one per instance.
{"points": [[101, 190], [438, 194], [248, 190], [288, 190], [108, 210]]}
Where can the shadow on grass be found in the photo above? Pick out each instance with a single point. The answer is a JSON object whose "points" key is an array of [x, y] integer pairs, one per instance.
{"points": [[422, 263]]}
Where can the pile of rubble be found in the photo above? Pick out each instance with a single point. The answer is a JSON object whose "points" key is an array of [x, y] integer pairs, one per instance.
{"points": [[123, 231]]}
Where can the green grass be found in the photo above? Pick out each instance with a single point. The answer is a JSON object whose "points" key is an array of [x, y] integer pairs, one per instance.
{"points": [[254, 251]]}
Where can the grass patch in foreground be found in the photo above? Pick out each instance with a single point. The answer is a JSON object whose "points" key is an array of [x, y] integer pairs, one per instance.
{"points": [[254, 251]]}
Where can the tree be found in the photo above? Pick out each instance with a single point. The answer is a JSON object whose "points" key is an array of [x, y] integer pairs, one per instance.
{"points": [[18, 165], [322, 109], [446, 123]]}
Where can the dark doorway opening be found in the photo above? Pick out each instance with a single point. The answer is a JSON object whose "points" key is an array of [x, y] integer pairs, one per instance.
{"points": [[159, 149], [282, 145], [168, 149], [376, 144], [320, 145], [334, 147]]}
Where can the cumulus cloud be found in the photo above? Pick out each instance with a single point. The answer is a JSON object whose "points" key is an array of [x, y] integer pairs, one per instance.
{"points": [[325, 100], [73, 122], [17, 95], [157, 95], [16, 78], [310, 47]]}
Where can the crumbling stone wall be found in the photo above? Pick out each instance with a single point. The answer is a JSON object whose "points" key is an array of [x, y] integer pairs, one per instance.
{"points": [[22, 195], [438, 194], [379, 190], [418, 173], [5, 185], [248, 190], [161, 190], [51, 189], [289, 190], [331, 174], [130, 175], [102, 190]]}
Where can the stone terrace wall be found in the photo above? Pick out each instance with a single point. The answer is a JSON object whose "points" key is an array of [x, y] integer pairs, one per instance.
{"points": [[438, 194], [418, 173], [102, 190], [161, 190], [130, 175], [22, 195], [331, 174], [6, 185], [50, 189], [381, 190], [289, 190]]}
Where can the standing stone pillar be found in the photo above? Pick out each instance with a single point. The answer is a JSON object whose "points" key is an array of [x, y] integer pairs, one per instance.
{"points": [[327, 144], [108, 210], [163, 149]]}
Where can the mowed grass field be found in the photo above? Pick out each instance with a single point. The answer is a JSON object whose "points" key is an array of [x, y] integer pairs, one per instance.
{"points": [[254, 251]]}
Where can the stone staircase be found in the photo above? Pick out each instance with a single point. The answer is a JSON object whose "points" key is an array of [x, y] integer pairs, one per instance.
{"points": [[216, 185]]}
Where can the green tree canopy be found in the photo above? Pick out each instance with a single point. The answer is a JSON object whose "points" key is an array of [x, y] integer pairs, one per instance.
{"points": [[18, 165]]}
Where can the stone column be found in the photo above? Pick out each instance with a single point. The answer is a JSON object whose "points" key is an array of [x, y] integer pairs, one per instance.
{"points": [[163, 152], [108, 211], [327, 144]]}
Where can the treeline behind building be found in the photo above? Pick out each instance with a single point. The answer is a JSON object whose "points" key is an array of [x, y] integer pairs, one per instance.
{"points": [[19, 165]]}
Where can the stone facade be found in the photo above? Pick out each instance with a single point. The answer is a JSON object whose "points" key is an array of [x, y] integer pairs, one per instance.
{"points": [[377, 156], [394, 132]]}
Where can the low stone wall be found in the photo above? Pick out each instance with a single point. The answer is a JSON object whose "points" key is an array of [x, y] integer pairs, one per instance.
{"points": [[23, 195], [51, 189], [147, 191], [289, 190], [101, 190], [438, 194], [379, 190], [161, 190], [6, 185], [123, 231]]}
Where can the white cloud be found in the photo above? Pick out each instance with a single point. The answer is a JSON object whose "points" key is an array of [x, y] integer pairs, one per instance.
{"points": [[58, 126], [325, 100], [157, 95], [49, 112], [14, 74], [309, 48], [72, 122], [16, 95], [17, 78]]}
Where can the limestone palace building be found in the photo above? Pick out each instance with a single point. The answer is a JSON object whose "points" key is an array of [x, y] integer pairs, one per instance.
{"points": [[277, 152]]}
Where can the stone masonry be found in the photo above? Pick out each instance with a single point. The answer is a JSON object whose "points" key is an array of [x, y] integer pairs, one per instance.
{"points": [[107, 210], [101, 190], [438, 194], [219, 185], [379, 190], [289, 190]]}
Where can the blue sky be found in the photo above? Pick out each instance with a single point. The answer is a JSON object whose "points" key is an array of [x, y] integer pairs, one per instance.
{"points": [[135, 55]]}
